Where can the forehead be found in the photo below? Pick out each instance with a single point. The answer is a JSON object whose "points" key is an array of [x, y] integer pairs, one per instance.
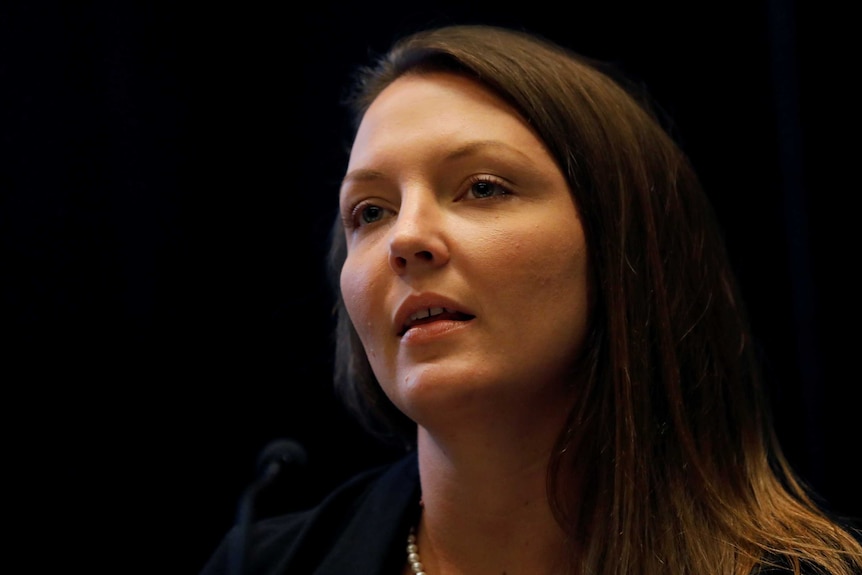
{"points": [[439, 109]]}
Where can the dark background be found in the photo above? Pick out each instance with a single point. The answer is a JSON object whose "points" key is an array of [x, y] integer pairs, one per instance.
{"points": [[168, 176]]}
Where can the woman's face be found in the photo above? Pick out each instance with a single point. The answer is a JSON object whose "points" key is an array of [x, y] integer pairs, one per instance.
{"points": [[467, 272]]}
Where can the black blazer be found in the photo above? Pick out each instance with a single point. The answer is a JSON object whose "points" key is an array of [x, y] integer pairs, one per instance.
{"points": [[360, 528]]}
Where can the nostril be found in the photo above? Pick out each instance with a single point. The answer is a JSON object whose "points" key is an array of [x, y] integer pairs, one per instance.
{"points": [[402, 260]]}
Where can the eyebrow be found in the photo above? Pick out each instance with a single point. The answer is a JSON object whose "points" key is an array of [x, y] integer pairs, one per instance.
{"points": [[464, 150], [477, 146], [362, 175]]}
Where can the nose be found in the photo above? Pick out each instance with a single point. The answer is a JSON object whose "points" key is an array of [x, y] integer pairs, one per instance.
{"points": [[417, 240]]}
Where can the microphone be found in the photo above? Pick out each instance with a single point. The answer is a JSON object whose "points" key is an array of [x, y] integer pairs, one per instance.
{"points": [[273, 458]]}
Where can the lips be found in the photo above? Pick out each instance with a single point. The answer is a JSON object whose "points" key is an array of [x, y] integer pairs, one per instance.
{"points": [[426, 313], [433, 314], [415, 312]]}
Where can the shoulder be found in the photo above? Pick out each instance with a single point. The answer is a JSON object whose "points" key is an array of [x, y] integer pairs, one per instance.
{"points": [[356, 528]]}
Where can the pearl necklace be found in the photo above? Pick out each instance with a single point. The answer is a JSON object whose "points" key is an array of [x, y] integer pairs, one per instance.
{"points": [[413, 553]]}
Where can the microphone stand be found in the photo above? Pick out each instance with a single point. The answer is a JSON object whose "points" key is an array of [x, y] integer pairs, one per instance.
{"points": [[273, 458]]}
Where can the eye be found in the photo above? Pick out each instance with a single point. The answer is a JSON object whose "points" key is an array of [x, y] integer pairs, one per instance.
{"points": [[369, 214], [485, 186], [365, 213]]}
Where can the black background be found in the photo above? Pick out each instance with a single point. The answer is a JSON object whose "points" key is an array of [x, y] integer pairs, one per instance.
{"points": [[169, 173]]}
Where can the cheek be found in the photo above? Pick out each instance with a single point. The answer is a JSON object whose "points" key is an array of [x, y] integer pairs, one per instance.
{"points": [[363, 291], [352, 292], [547, 254], [548, 273], [358, 288]]}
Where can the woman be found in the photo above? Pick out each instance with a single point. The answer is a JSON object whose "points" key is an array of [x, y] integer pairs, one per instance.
{"points": [[534, 297]]}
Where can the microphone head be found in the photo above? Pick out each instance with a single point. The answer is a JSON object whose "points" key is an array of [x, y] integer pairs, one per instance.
{"points": [[282, 453]]}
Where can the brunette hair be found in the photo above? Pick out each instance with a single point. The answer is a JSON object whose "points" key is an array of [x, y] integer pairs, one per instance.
{"points": [[686, 474]]}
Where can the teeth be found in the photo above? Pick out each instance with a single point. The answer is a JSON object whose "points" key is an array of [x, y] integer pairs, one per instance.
{"points": [[422, 314]]}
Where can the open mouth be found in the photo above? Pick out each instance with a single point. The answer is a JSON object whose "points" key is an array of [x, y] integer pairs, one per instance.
{"points": [[432, 314]]}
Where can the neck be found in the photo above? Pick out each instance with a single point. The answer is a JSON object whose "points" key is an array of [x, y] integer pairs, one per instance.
{"points": [[486, 512]]}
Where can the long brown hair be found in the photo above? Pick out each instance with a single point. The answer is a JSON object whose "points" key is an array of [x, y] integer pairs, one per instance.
{"points": [[686, 473]]}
